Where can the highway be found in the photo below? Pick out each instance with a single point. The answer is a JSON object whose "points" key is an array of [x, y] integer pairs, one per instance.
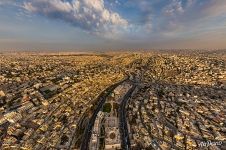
{"points": [[101, 98], [125, 141]]}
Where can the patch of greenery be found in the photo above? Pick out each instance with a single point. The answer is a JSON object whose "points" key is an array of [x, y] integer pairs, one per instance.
{"points": [[107, 108]]}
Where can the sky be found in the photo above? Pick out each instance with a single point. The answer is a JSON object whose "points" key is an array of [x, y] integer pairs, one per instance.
{"points": [[112, 24]]}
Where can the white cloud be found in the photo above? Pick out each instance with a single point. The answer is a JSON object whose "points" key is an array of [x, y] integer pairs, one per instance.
{"points": [[174, 7], [90, 15]]}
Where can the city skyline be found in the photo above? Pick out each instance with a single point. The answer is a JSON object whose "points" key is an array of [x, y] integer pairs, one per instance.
{"points": [[112, 25]]}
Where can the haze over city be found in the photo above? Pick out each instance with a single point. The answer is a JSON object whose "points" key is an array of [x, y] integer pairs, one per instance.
{"points": [[112, 24], [112, 74]]}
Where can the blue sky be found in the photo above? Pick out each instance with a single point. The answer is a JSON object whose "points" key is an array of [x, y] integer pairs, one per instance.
{"points": [[112, 24]]}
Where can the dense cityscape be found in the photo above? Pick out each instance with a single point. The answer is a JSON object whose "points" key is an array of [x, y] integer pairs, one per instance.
{"points": [[112, 74], [123, 100]]}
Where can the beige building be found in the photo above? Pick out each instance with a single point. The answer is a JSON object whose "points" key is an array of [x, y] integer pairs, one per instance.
{"points": [[112, 140]]}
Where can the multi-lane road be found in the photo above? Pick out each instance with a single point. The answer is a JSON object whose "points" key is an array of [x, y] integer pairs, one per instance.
{"points": [[124, 133], [101, 99], [125, 140]]}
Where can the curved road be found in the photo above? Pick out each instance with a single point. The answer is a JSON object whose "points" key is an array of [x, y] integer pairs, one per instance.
{"points": [[123, 122], [101, 98]]}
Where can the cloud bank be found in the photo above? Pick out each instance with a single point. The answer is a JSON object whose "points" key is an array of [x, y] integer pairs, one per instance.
{"points": [[90, 15], [138, 23], [153, 17]]}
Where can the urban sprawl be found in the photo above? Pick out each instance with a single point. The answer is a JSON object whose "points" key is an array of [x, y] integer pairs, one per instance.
{"points": [[159, 100]]}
